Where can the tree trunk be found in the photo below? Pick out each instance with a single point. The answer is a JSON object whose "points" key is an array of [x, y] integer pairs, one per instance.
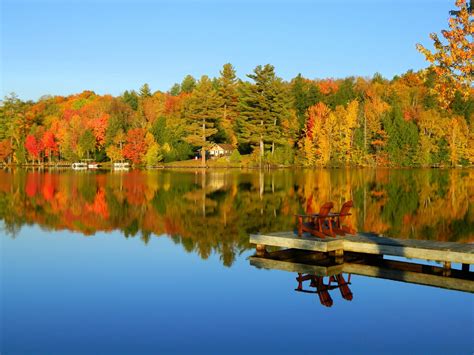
{"points": [[365, 133], [203, 150]]}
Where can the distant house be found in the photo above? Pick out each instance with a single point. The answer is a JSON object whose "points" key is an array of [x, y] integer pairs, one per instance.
{"points": [[221, 150]]}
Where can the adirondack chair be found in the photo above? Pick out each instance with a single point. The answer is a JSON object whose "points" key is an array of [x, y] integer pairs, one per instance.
{"points": [[341, 224], [319, 224]]}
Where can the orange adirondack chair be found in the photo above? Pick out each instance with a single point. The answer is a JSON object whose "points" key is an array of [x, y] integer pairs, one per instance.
{"points": [[319, 224], [342, 224]]}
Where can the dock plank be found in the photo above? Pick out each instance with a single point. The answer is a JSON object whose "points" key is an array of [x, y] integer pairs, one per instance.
{"points": [[372, 244]]}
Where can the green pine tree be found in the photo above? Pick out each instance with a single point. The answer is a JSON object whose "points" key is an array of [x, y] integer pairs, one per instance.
{"points": [[202, 115], [227, 90], [263, 107], [188, 84]]}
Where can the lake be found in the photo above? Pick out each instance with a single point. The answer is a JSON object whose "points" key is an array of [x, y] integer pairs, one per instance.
{"points": [[157, 262]]}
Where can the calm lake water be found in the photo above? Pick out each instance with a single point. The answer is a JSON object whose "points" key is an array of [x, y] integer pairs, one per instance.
{"points": [[157, 262]]}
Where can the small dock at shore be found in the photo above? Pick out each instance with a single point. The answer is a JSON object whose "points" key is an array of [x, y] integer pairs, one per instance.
{"points": [[366, 243]]}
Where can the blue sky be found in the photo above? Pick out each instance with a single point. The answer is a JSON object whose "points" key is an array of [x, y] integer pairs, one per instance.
{"points": [[65, 47]]}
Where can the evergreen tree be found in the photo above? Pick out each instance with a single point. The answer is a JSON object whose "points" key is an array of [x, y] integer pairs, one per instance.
{"points": [[175, 90], [304, 95], [130, 98], [87, 143], [402, 142], [263, 107], [202, 115], [227, 90], [145, 91], [188, 84]]}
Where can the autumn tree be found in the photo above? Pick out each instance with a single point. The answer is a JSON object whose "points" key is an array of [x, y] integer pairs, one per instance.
{"points": [[135, 146], [452, 58], [5, 150], [375, 137], [34, 147], [345, 122], [316, 146], [50, 146]]}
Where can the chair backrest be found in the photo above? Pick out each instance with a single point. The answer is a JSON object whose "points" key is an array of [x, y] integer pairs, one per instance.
{"points": [[325, 209], [346, 207]]}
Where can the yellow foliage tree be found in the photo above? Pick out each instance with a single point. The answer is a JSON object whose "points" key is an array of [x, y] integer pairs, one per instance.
{"points": [[457, 140]]}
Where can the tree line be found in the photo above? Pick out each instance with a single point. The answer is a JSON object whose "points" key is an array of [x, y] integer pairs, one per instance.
{"points": [[353, 121]]}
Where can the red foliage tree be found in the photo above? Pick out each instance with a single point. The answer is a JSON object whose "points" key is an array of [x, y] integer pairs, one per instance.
{"points": [[99, 127], [135, 146], [33, 146], [49, 144]]}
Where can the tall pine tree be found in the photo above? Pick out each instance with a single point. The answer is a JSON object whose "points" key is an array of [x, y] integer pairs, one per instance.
{"points": [[227, 89], [202, 115], [263, 107]]}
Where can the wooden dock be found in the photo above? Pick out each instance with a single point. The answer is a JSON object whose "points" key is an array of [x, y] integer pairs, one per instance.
{"points": [[445, 252], [321, 264]]}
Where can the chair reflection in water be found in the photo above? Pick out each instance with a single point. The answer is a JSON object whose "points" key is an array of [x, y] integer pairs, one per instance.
{"points": [[322, 289]]}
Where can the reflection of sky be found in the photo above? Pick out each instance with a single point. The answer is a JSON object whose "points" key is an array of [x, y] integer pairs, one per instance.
{"points": [[65, 293]]}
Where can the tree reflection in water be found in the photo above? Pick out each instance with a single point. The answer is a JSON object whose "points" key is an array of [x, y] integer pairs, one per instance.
{"points": [[214, 211]]}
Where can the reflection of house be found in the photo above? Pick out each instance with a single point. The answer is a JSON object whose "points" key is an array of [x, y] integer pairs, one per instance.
{"points": [[220, 150]]}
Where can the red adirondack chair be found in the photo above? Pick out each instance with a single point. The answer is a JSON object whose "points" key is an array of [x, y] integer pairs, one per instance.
{"points": [[341, 223], [319, 224]]}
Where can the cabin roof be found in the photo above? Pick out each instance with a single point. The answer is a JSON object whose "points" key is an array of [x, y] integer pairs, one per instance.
{"points": [[223, 146]]}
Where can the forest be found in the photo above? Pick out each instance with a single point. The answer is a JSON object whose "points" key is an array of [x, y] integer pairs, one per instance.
{"points": [[422, 118], [345, 122]]}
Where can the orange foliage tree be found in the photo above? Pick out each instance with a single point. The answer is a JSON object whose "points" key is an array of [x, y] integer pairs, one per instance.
{"points": [[136, 145], [452, 59]]}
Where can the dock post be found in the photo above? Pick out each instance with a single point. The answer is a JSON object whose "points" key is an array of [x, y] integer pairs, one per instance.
{"points": [[447, 268], [338, 256], [465, 267], [261, 251]]}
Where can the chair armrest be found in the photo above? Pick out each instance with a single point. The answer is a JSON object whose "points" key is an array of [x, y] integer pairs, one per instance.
{"points": [[341, 214]]}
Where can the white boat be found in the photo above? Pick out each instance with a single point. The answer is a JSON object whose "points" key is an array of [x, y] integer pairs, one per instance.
{"points": [[122, 166], [79, 166], [93, 165]]}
